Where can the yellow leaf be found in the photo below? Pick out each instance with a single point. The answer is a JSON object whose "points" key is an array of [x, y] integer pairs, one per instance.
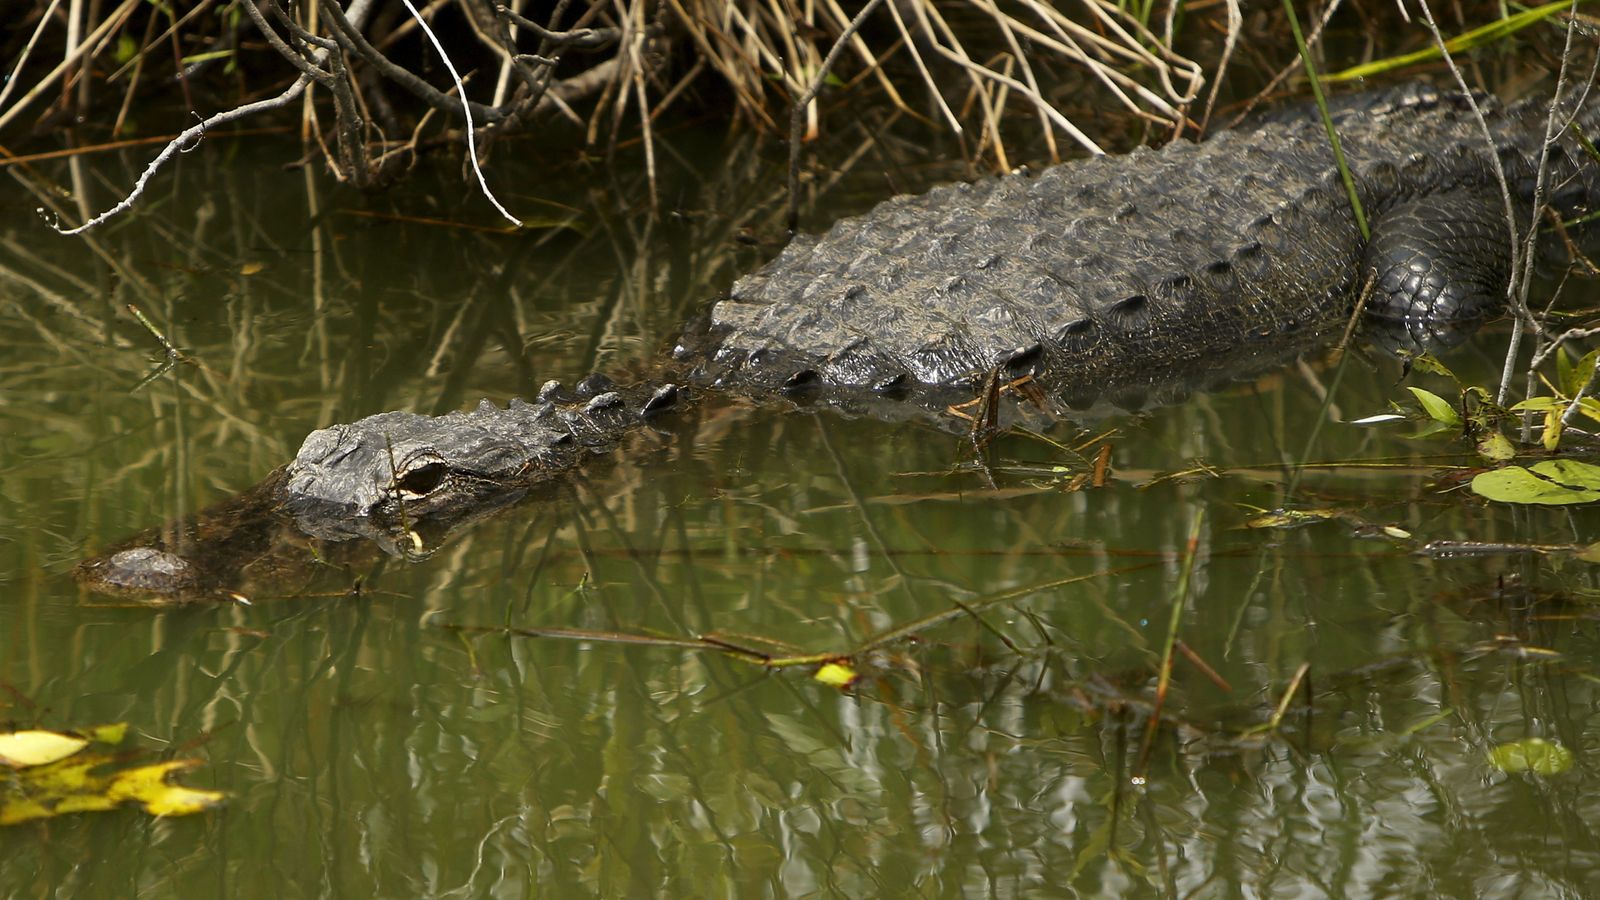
{"points": [[1552, 429], [22, 810], [20, 749], [148, 786], [251, 268], [1495, 447], [108, 734], [836, 674]]}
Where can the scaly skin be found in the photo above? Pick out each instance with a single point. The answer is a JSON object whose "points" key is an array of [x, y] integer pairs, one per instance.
{"points": [[1121, 280], [1092, 273]]}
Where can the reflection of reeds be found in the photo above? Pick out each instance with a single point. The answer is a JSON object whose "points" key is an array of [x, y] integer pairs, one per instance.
{"points": [[345, 725]]}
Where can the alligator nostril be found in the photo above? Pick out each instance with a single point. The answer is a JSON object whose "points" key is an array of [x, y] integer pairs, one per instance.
{"points": [[423, 480]]}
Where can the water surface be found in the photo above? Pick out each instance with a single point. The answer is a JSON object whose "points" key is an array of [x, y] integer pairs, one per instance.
{"points": [[369, 748]]}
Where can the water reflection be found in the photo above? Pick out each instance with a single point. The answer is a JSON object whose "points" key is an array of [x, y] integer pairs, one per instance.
{"points": [[370, 749]]}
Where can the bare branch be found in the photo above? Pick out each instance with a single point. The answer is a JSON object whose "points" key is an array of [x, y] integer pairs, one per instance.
{"points": [[576, 39], [466, 110], [185, 140], [349, 36], [297, 59]]}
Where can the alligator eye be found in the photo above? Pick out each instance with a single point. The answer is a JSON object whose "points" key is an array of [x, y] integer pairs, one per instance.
{"points": [[423, 480]]}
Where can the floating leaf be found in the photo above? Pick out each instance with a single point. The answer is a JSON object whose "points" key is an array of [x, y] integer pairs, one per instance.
{"points": [[836, 674], [1496, 447], [1290, 518], [252, 268], [107, 734], [20, 749], [53, 777], [207, 57], [1554, 482], [1396, 532], [147, 786], [1437, 408], [1535, 755]]}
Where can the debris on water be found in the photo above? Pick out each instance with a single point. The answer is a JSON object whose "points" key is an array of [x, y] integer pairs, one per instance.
{"points": [[53, 775], [837, 673], [1533, 755]]}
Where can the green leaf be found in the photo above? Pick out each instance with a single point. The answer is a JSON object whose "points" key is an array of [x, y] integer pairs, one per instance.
{"points": [[1494, 31], [1437, 408], [1535, 755], [1554, 482], [1551, 436], [1539, 404], [1431, 428], [1577, 375], [47, 774]]}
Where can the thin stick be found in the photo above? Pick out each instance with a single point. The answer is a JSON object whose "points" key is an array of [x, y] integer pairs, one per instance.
{"points": [[1517, 260], [1180, 600], [1283, 702], [960, 58], [180, 143], [798, 111], [1327, 121], [1518, 292], [27, 50], [112, 22], [466, 112], [172, 352]]}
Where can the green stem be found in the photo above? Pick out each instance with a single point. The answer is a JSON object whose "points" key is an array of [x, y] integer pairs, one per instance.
{"points": [[1327, 120]]}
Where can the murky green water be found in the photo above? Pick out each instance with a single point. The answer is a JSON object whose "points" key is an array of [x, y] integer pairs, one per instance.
{"points": [[369, 748]]}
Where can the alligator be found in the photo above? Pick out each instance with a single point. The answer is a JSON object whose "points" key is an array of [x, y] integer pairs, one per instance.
{"points": [[1111, 282]]}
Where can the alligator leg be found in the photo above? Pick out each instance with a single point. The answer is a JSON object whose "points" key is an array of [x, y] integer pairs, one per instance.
{"points": [[1439, 259]]}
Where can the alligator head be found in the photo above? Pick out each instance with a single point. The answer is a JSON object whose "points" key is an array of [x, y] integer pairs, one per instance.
{"points": [[387, 476]]}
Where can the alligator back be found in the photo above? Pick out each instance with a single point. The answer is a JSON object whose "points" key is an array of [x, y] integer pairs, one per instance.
{"points": [[1132, 278], [1102, 275]]}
